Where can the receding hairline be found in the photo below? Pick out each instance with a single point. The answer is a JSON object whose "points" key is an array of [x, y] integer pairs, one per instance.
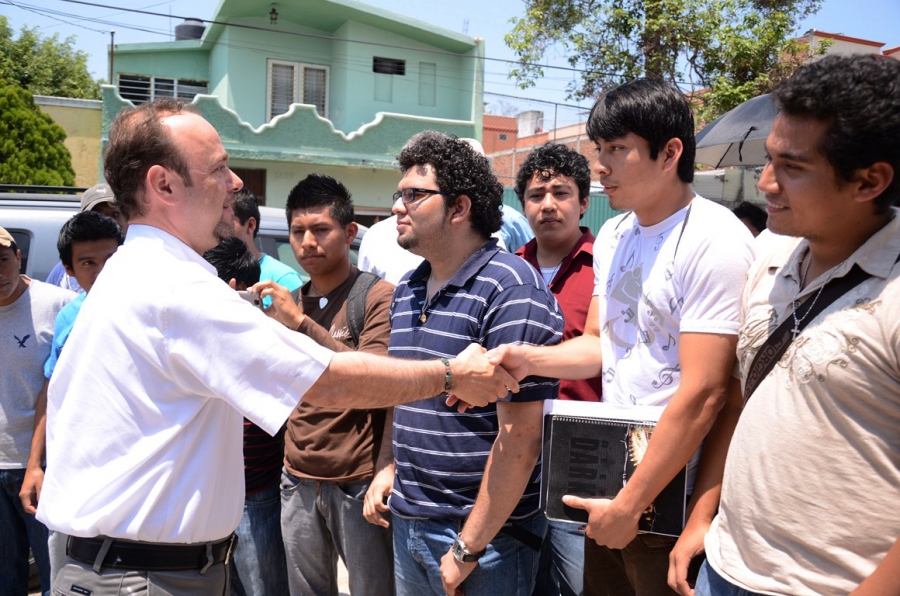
{"points": [[220, 156]]}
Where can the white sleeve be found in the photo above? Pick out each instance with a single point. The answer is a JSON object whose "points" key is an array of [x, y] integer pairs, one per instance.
{"points": [[220, 345], [713, 273]]}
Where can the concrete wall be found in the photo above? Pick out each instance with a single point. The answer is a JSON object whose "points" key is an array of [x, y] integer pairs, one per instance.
{"points": [[371, 188], [236, 67], [82, 120], [300, 142], [358, 93], [163, 60]]}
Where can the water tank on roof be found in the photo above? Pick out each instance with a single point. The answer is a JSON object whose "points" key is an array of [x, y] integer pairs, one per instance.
{"points": [[189, 29], [530, 123]]}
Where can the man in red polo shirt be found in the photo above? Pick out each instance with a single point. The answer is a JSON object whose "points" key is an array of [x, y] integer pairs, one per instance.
{"points": [[553, 186]]}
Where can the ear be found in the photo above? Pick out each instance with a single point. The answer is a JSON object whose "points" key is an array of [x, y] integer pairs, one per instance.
{"points": [[159, 183], [252, 225], [670, 155], [459, 211], [583, 205], [872, 181], [351, 229], [69, 271]]}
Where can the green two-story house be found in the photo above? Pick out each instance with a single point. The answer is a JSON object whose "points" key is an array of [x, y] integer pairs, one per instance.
{"points": [[329, 86]]}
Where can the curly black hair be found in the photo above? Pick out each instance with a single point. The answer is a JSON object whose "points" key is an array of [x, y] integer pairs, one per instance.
{"points": [[555, 160], [459, 170], [859, 97]]}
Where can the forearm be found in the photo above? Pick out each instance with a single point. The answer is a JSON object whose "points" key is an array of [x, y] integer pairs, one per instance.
{"points": [[359, 380], [677, 436], [885, 580], [576, 358], [706, 363], [708, 484], [509, 467], [385, 456], [39, 439]]}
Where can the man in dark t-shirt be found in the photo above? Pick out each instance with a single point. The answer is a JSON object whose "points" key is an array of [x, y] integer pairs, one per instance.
{"points": [[331, 456], [258, 566]]}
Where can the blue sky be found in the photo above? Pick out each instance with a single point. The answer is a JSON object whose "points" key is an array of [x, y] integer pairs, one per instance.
{"points": [[877, 20]]}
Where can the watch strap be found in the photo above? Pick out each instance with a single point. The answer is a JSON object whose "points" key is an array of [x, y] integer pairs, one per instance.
{"points": [[462, 554]]}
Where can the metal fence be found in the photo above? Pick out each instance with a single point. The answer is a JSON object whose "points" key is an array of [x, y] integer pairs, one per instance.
{"points": [[545, 115], [598, 212]]}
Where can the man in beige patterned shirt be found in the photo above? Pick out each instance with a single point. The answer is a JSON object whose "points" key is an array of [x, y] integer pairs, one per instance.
{"points": [[812, 478]]}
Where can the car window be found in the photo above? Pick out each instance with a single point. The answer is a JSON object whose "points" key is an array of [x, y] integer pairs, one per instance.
{"points": [[23, 241], [286, 255]]}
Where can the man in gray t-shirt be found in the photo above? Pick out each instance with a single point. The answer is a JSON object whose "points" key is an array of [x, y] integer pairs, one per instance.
{"points": [[28, 310]]}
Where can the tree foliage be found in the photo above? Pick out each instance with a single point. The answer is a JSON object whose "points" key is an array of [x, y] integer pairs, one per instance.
{"points": [[45, 66], [31, 144], [731, 49]]}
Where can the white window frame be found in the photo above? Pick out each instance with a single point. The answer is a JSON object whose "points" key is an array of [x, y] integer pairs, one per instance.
{"points": [[152, 89], [298, 84]]}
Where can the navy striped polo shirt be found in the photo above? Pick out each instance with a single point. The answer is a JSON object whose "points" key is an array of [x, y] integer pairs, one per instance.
{"points": [[495, 298]]}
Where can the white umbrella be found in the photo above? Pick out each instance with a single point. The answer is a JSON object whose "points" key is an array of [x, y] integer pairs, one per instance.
{"points": [[738, 137]]}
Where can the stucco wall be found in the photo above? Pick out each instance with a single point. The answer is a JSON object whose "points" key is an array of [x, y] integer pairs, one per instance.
{"points": [[300, 142], [164, 60], [82, 120], [355, 104], [371, 188]]}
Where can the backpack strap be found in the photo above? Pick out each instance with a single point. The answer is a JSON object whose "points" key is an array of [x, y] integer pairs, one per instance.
{"points": [[771, 351], [356, 303]]}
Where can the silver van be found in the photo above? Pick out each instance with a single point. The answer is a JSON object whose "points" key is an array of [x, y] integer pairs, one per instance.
{"points": [[34, 220]]}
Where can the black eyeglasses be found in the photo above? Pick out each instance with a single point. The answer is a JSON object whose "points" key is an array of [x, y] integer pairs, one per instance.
{"points": [[411, 195]]}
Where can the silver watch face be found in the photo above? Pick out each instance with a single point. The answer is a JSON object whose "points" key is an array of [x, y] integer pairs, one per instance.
{"points": [[461, 553]]}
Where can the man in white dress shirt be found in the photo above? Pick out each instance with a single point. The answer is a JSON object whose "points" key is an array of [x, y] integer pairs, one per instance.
{"points": [[145, 409]]}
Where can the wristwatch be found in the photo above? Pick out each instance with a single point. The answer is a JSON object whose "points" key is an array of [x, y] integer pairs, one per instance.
{"points": [[462, 554]]}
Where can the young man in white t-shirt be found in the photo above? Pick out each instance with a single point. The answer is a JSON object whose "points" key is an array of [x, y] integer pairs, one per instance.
{"points": [[663, 322]]}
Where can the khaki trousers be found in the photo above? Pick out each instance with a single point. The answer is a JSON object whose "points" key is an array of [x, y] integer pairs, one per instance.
{"points": [[80, 579]]}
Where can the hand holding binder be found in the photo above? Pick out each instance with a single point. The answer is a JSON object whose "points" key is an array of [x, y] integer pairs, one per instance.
{"points": [[608, 524]]}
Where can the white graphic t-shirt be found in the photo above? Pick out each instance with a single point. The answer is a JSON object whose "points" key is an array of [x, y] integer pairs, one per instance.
{"points": [[682, 275]]}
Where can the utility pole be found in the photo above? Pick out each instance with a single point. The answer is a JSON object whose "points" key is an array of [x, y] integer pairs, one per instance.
{"points": [[112, 54]]}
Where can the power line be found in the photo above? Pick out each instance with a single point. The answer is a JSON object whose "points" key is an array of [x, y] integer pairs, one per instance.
{"points": [[279, 48], [329, 38], [49, 15]]}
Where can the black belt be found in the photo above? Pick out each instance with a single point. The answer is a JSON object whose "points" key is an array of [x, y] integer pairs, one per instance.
{"points": [[529, 539], [151, 556]]}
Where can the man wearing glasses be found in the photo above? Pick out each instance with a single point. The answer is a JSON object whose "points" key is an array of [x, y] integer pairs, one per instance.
{"points": [[465, 489]]}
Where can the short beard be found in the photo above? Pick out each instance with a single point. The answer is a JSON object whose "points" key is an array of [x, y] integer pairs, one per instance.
{"points": [[408, 243], [223, 230]]}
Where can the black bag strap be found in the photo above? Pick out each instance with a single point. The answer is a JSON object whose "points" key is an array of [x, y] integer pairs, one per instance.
{"points": [[356, 303], [777, 344]]}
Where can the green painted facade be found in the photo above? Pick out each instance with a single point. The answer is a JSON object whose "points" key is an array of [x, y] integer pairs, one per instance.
{"points": [[369, 116]]}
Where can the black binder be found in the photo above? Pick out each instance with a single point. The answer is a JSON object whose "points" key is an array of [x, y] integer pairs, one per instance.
{"points": [[590, 450]]}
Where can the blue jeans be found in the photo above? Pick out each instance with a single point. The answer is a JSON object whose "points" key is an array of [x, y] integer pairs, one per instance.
{"points": [[561, 571], [506, 569], [322, 521], [259, 567], [710, 583], [18, 531]]}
